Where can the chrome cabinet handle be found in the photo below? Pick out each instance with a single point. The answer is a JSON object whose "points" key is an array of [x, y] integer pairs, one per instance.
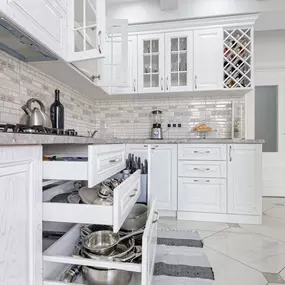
{"points": [[196, 81], [157, 217], [134, 85], [196, 180], [114, 160], [201, 152], [167, 83], [161, 82], [134, 194], [202, 169], [99, 41], [154, 147], [230, 153]]}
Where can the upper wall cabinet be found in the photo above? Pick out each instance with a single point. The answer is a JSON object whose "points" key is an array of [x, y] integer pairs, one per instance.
{"points": [[86, 29], [45, 20], [208, 58], [179, 61], [238, 50], [151, 63]]}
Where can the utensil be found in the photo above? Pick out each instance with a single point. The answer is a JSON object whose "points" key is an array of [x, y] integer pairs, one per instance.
{"points": [[105, 242], [36, 116], [96, 276], [136, 219], [71, 274]]}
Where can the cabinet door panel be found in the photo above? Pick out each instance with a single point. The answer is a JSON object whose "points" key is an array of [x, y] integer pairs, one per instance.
{"points": [[20, 215], [179, 61], [151, 63], [163, 168], [208, 59], [244, 179]]}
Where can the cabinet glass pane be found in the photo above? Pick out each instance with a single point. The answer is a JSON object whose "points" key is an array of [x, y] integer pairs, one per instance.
{"points": [[91, 35], [183, 44], [78, 13], [174, 62], [174, 44], [146, 64], [266, 117], [183, 79], [155, 64], [174, 79], [90, 14], [79, 40], [154, 46], [146, 46], [183, 62], [146, 80], [155, 80]]}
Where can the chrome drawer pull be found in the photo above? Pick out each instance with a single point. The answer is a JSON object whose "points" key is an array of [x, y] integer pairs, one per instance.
{"points": [[202, 169], [134, 194], [157, 217], [202, 152], [201, 180], [114, 160]]}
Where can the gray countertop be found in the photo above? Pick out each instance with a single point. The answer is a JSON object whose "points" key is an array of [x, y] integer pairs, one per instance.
{"points": [[30, 139]]}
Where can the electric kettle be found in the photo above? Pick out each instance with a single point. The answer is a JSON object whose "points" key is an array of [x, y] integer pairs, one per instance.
{"points": [[35, 117]]}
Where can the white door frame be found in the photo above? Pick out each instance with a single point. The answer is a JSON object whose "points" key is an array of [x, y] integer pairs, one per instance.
{"points": [[273, 164]]}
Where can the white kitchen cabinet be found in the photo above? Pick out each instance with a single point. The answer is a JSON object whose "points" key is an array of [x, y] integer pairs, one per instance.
{"points": [[21, 215], [45, 20], [244, 179], [202, 195], [163, 176], [132, 68], [179, 61], [151, 63], [208, 59], [86, 29]]}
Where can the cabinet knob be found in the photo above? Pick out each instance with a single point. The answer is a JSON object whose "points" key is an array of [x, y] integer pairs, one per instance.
{"points": [[196, 81]]}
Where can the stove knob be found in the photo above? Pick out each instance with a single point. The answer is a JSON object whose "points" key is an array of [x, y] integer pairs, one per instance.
{"points": [[70, 132]]}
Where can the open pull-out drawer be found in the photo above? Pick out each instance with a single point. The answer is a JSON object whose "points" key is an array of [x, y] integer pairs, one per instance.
{"points": [[59, 255], [99, 162], [125, 196]]}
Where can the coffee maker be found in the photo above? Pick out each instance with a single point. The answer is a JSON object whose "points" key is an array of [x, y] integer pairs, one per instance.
{"points": [[156, 131]]}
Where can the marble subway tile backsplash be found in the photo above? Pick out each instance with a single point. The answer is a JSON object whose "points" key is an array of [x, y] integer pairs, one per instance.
{"points": [[20, 81], [132, 118]]}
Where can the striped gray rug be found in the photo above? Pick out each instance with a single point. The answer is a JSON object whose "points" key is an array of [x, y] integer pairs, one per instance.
{"points": [[180, 260]]}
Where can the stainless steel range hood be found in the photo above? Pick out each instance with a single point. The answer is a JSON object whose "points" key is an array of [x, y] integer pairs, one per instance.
{"points": [[17, 43]]}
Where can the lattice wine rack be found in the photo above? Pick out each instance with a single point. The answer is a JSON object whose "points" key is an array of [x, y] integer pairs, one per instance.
{"points": [[237, 58]]}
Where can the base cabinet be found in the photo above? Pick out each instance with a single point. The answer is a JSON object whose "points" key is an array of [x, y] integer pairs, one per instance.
{"points": [[244, 179], [20, 215]]}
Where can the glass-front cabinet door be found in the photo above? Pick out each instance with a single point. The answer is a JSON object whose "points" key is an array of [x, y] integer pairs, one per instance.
{"points": [[86, 29], [179, 61], [151, 63]]}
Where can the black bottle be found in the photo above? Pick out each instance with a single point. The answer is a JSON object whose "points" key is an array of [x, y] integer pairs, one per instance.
{"points": [[57, 112]]}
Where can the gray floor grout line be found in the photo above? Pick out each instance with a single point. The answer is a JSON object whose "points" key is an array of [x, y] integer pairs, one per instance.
{"points": [[213, 233], [234, 260]]}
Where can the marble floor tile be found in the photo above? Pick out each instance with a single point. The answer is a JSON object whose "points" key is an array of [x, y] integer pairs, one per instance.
{"points": [[192, 225], [257, 251], [276, 212], [282, 273], [273, 278], [271, 227], [268, 202], [231, 272], [233, 225]]}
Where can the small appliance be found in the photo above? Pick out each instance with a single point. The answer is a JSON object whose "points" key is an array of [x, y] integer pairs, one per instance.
{"points": [[156, 131]]}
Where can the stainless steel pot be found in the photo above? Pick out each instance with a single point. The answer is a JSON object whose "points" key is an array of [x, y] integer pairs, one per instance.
{"points": [[136, 219], [96, 276]]}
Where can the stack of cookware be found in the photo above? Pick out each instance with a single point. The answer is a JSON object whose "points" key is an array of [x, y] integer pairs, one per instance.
{"points": [[99, 242]]}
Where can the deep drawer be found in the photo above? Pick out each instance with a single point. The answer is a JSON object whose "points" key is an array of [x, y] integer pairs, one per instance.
{"points": [[202, 151], [102, 162], [211, 169], [125, 196]]}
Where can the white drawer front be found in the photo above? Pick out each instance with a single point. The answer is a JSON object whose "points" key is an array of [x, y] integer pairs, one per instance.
{"points": [[211, 169], [60, 253], [202, 195], [202, 151], [125, 196]]}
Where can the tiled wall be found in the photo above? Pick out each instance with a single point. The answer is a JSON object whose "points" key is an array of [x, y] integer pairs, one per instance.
{"points": [[132, 119], [20, 81], [117, 118]]}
